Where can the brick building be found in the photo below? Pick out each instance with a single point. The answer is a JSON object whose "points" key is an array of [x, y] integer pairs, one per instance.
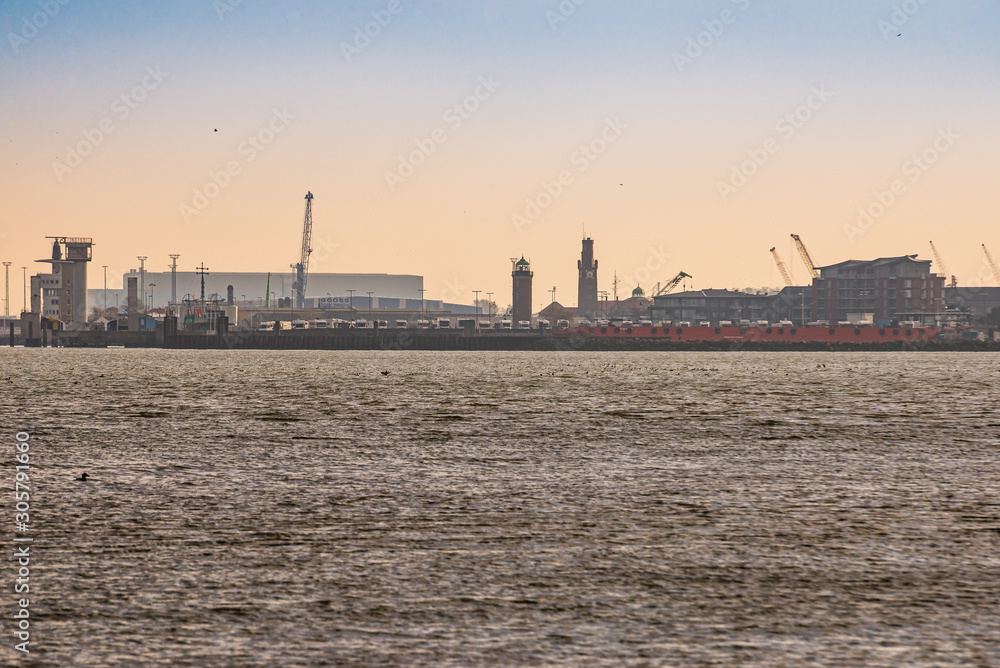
{"points": [[884, 287]]}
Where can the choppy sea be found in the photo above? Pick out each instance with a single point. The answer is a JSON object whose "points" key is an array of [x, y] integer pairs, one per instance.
{"points": [[266, 508]]}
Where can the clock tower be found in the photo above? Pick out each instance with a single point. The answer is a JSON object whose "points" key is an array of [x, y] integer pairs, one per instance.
{"points": [[587, 305]]}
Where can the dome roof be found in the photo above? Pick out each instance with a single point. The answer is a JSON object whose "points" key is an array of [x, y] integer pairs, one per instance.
{"points": [[638, 292], [521, 263]]}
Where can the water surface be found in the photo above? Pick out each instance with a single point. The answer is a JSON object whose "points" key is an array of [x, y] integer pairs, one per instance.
{"points": [[284, 507]]}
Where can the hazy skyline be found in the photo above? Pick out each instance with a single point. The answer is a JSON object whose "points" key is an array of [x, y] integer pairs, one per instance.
{"points": [[428, 142]]}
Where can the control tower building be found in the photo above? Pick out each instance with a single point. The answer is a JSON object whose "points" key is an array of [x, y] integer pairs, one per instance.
{"points": [[63, 293]]}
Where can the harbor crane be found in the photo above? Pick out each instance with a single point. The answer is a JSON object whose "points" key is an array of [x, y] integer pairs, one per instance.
{"points": [[671, 284], [993, 265], [781, 267], [940, 264], [806, 258], [302, 268]]}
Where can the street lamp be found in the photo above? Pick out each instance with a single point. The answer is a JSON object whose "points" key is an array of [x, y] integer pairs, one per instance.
{"points": [[423, 310], [350, 302], [477, 306], [24, 282], [369, 293], [489, 303], [6, 288]]}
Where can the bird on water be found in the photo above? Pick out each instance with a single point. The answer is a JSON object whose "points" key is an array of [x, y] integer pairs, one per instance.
{"points": [[82, 478]]}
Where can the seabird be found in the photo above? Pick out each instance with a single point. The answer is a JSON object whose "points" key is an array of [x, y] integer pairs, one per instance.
{"points": [[83, 477]]}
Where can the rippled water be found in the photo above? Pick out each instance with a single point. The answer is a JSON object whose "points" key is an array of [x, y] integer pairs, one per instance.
{"points": [[283, 508]]}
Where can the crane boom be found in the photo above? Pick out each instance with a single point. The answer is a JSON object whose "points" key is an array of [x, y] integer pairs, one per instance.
{"points": [[993, 265], [937, 258], [806, 258], [669, 287], [302, 268], [781, 267], [940, 263]]}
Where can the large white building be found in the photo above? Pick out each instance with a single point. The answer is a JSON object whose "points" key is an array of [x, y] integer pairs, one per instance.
{"points": [[250, 287]]}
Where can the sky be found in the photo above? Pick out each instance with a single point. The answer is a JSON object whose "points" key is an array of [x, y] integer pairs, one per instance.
{"points": [[443, 138]]}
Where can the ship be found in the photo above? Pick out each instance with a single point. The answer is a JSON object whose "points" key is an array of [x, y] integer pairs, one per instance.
{"points": [[759, 333]]}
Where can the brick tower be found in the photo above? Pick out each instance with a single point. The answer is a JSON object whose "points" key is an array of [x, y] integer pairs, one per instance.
{"points": [[586, 301]]}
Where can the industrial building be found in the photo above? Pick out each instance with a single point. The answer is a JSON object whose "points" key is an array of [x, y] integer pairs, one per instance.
{"points": [[715, 306], [250, 288], [976, 301]]}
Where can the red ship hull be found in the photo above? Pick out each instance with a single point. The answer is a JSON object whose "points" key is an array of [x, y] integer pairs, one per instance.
{"points": [[773, 333]]}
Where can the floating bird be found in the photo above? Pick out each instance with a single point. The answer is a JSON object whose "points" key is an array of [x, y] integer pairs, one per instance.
{"points": [[385, 373], [83, 477], [216, 130]]}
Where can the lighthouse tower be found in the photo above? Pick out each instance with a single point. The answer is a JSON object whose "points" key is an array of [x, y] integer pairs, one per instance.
{"points": [[521, 277]]}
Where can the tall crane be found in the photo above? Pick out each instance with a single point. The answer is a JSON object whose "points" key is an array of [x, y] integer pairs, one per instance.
{"points": [[993, 265], [671, 284], [943, 269], [302, 268], [806, 259], [781, 267]]}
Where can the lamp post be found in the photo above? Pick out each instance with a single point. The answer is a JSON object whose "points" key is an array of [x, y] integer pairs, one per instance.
{"points": [[105, 286], [350, 301], [489, 303], [369, 293], [6, 286], [423, 311], [24, 282], [477, 305]]}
